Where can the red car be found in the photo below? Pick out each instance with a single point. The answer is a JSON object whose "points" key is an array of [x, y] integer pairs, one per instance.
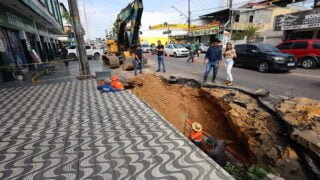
{"points": [[306, 51]]}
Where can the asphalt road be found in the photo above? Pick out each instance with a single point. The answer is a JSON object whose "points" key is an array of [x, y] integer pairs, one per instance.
{"points": [[296, 83]]}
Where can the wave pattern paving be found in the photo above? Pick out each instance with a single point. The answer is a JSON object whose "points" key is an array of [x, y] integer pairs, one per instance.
{"points": [[72, 131]]}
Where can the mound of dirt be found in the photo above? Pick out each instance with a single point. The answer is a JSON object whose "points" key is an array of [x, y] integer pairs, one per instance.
{"points": [[303, 116]]}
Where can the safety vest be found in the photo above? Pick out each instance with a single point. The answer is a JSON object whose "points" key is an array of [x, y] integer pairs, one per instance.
{"points": [[196, 136]]}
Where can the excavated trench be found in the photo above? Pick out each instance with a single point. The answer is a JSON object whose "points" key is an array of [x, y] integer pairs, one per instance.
{"points": [[225, 114]]}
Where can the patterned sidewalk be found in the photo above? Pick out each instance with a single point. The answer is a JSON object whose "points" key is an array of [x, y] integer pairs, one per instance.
{"points": [[71, 131]]}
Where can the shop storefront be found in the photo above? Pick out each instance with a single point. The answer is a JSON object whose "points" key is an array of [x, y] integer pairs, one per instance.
{"points": [[17, 35], [299, 25], [204, 33]]}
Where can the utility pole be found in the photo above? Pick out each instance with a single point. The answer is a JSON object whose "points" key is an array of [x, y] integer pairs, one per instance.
{"points": [[230, 15], [189, 17], [86, 20], [83, 60]]}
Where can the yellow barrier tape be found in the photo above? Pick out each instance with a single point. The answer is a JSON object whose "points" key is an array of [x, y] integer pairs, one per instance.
{"points": [[47, 62]]}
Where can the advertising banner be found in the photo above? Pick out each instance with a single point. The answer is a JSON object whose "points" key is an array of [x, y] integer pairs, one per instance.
{"points": [[298, 20], [207, 29]]}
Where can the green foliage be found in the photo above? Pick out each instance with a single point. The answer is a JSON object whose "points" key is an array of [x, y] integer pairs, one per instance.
{"points": [[251, 31], [66, 15], [252, 173], [239, 173], [257, 173], [237, 35]]}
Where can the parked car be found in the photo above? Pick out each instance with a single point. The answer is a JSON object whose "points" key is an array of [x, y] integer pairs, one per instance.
{"points": [[90, 50], [186, 45], [176, 50], [146, 48], [202, 47], [307, 51], [264, 57]]}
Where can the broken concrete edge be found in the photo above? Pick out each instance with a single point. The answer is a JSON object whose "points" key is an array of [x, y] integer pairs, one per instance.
{"points": [[267, 101], [193, 146]]}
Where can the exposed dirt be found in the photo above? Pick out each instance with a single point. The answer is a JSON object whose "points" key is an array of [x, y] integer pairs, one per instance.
{"points": [[225, 114], [178, 103]]}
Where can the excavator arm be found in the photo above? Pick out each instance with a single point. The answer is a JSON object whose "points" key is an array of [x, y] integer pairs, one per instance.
{"points": [[126, 29], [127, 24]]}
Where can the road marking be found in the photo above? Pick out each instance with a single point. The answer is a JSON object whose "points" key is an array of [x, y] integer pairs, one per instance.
{"points": [[306, 75]]}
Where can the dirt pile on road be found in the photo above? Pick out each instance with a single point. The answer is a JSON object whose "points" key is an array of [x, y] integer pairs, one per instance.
{"points": [[225, 114], [302, 115]]}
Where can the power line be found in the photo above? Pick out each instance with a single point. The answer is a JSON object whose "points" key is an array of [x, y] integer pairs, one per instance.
{"points": [[250, 1], [223, 6]]}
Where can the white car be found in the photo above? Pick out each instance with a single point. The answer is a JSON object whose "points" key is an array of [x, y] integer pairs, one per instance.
{"points": [[176, 50], [92, 52], [202, 47], [146, 48]]}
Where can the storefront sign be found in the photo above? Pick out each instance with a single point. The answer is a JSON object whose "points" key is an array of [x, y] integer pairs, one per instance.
{"points": [[298, 20], [207, 29], [11, 19], [169, 26]]}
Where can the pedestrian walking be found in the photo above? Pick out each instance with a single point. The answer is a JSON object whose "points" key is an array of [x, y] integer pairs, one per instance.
{"points": [[160, 54], [198, 50], [64, 53], [192, 52], [138, 62], [214, 55], [229, 54]]}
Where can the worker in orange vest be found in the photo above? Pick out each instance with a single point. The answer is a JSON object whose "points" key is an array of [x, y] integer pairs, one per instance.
{"points": [[115, 83], [196, 135]]}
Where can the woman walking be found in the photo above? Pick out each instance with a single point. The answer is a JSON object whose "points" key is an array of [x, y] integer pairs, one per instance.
{"points": [[229, 54]]}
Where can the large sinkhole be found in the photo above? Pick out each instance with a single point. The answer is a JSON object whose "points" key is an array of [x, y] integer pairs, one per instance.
{"points": [[255, 134], [182, 101]]}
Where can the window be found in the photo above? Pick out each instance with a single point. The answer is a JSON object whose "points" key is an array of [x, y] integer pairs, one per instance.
{"points": [[178, 46], [285, 45], [43, 2], [251, 47], [168, 46], [88, 47], [316, 45], [241, 48], [50, 7], [267, 48], [300, 45], [251, 19], [237, 18]]}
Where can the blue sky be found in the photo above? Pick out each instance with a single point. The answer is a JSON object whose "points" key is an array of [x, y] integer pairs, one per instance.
{"points": [[102, 13]]}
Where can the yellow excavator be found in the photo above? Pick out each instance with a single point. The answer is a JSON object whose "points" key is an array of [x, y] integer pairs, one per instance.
{"points": [[120, 50]]}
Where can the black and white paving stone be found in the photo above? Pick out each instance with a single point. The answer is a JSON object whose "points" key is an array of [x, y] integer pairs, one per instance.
{"points": [[71, 131]]}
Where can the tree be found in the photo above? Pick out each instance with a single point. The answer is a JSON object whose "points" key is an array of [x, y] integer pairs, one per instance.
{"points": [[237, 35], [251, 31], [66, 15]]}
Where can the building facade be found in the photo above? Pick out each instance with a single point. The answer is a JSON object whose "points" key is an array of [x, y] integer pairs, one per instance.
{"points": [[299, 25], [68, 37], [261, 16], [28, 28], [166, 33]]}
